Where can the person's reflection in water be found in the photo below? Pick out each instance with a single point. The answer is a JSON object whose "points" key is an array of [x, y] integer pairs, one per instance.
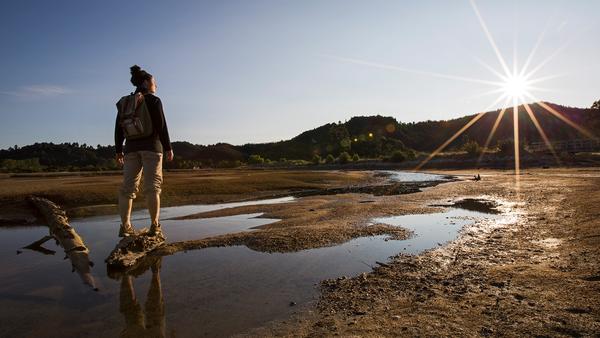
{"points": [[149, 322]]}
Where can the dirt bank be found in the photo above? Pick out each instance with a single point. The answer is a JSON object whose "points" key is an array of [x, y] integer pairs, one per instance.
{"points": [[538, 275], [91, 195]]}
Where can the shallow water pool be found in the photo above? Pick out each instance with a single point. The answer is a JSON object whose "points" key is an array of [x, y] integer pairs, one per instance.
{"points": [[412, 176], [208, 292]]}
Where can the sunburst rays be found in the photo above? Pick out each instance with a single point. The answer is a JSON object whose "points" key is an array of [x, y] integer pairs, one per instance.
{"points": [[492, 132], [514, 86], [457, 134]]}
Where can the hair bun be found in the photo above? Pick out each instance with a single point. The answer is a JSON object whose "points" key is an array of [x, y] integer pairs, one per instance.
{"points": [[135, 69], [138, 76]]}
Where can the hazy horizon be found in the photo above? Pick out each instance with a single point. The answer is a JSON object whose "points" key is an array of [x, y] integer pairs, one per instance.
{"points": [[261, 71]]}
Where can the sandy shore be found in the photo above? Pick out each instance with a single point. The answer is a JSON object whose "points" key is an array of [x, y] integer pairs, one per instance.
{"points": [[536, 275]]}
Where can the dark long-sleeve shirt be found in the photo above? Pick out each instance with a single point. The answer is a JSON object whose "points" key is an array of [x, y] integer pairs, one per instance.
{"points": [[159, 140]]}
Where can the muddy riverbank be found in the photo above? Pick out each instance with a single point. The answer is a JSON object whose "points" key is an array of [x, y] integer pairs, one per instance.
{"points": [[83, 196], [321, 217], [226, 289], [533, 273], [535, 276]]}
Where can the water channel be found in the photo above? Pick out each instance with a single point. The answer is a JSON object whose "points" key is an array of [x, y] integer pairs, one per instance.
{"points": [[208, 292]]}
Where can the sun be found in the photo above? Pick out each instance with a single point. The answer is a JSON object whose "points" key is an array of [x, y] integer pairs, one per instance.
{"points": [[516, 86]]}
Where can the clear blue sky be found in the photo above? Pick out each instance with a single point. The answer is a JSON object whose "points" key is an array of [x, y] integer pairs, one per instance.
{"points": [[257, 71]]}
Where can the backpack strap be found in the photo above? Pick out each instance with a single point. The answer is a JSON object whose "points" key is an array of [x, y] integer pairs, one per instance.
{"points": [[131, 104]]}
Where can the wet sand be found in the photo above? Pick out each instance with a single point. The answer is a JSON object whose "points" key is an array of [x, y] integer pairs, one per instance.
{"points": [[536, 276]]}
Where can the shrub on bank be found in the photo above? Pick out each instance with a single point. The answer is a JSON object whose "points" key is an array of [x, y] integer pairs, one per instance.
{"points": [[472, 148], [398, 156], [255, 159], [344, 158], [507, 147], [229, 164], [26, 165]]}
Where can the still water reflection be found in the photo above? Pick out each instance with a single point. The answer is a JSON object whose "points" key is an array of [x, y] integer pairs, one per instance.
{"points": [[208, 292], [147, 321]]}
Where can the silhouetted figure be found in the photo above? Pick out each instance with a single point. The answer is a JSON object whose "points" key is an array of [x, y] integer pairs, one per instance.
{"points": [[142, 125], [477, 178]]}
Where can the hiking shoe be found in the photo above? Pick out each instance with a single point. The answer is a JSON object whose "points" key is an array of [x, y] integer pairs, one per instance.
{"points": [[156, 231], [126, 230]]}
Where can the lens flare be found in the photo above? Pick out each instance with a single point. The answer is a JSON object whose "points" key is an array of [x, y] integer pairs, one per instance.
{"points": [[512, 85]]}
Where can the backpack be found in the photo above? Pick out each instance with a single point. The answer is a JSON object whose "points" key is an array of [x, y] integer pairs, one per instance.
{"points": [[134, 117]]}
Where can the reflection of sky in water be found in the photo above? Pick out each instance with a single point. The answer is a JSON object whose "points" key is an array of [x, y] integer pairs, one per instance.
{"points": [[431, 229], [407, 176], [214, 291]]}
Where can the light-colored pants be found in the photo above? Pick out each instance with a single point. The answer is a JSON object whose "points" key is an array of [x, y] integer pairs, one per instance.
{"points": [[148, 162]]}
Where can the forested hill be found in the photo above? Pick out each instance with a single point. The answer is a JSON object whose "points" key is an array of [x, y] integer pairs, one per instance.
{"points": [[428, 135], [366, 136], [377, 135]]}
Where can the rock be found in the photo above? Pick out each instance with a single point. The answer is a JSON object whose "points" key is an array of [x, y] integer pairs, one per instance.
{"points": [[382, 264], [519, 297], [486, 331], [577, 310], [497, 284], [130, 250]]}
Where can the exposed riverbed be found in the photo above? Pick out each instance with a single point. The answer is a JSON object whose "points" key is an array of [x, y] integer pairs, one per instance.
{"points": [[212, 291]]}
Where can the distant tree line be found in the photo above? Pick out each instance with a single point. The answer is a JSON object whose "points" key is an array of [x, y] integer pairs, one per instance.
{"points": [[362, 137], [57, 157]]}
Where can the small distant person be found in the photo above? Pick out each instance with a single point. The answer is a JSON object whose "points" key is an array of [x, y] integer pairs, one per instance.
{"points": [[141, 124], [477, 177]]}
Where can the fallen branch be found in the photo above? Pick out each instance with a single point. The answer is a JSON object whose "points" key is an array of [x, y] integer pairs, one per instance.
{"points": [[66, 237], [37, 246]]}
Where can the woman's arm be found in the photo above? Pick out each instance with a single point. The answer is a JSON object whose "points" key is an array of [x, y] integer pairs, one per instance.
{"points": [[119, 136], [163, 131]]}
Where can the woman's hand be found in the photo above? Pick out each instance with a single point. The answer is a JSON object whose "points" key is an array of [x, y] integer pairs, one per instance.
{"points": [[170, 155], [119, 158]]}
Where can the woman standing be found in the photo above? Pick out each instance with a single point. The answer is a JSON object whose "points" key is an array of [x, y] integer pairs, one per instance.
{"points": [[141, 124]]}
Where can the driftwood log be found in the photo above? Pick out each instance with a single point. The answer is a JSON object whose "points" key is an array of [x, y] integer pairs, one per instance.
{"points": [[60, 230], [132, 250]]}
